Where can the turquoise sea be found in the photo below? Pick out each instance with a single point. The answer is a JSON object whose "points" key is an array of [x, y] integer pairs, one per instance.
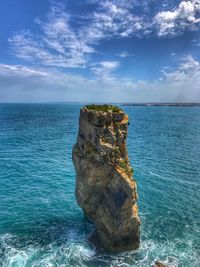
{"points": [[40, 222]]}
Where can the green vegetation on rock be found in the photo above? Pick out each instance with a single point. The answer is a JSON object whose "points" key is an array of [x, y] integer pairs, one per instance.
{"points": [[131, 171], [123, 165], [104, 108], [117, 152]]}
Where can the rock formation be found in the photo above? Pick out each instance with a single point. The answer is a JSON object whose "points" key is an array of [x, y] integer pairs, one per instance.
{"points": [[105, 189]]}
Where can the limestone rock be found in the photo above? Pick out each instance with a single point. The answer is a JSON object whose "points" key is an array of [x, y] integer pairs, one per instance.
{"points": [[159, 264], [105, 189]]}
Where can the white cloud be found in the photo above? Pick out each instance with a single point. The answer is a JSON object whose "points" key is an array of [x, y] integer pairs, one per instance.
{"points": [[124, 54], [186, 15], [188, 72], [38, 85], [21, 83], [104, 69], [56, 45], [22, 70], [61, 45], [189, 64], [109, 65], [116, 18]]}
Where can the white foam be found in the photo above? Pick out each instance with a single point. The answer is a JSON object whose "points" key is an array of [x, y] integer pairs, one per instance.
{"points": [[75, 249]]}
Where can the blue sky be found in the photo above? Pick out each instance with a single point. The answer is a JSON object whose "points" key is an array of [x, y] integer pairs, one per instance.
{"points": [[100, 51]]}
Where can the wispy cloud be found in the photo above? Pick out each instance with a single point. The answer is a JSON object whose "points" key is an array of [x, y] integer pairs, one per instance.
{"points": [[21, 83], [188, 71], [116, 18], [57, 44], [104, 69], [24, 71], [124, 54]]}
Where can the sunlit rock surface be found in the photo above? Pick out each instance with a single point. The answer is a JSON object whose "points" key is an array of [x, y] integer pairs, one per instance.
{"points": [[105, 188]]}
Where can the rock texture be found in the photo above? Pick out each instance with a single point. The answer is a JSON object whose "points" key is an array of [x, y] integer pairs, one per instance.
{"points": [[105, 189], [160, 264]]}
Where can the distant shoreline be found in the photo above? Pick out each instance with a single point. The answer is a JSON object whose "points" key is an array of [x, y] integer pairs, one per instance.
{"points": [[163, 104], [112, 103]]}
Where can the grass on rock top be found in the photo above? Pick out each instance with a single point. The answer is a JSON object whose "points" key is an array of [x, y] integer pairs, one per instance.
{"points": [[104, 108]]}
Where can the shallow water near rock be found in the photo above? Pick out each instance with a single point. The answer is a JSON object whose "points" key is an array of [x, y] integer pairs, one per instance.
{"points": [[40, 222]]}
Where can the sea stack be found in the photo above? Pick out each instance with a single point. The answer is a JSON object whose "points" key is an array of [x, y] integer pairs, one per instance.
{"points": [[105, 188]]}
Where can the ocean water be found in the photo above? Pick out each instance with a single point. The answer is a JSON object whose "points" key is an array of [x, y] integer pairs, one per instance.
{"points": [[40, 222]]}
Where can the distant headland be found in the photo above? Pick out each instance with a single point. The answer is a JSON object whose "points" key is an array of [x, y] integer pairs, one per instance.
{"points": [[163, 104]]}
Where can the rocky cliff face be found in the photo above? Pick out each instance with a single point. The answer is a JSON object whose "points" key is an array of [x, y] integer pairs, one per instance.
{"points": [[105, 189]]}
